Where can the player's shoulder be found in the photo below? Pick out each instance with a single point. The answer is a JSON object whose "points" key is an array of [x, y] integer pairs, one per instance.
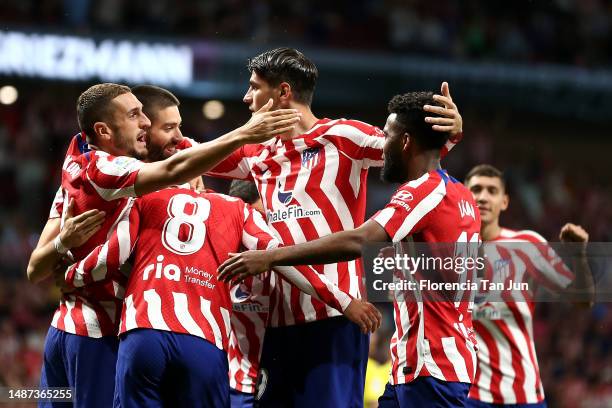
{"points": [[428, 185], [346, 127], [521, 235], [426, 182]]}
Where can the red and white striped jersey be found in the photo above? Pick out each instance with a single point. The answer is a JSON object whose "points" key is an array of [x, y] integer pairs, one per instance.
{"points": [[57, 205], [95, 180], [250, 304], [312, 186], [178, 238], [507, 371], [432, 338]]}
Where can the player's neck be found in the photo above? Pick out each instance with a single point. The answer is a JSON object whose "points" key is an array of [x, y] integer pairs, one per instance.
{"points": [[422, 163], [489, 232], [307, 121]]}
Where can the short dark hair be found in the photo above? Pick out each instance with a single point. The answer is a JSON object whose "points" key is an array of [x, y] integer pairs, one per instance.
{"points": [[154, 98], [411, 116], [287, 65], [245, 190], [94, 105], [486, 170]]}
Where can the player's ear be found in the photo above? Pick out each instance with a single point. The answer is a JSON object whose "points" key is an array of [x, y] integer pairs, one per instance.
{"points": [[103, 132], [284, 92], [505, 202], [406, 142]]}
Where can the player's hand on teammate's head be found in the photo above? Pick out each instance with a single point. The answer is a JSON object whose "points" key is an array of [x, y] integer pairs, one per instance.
{"points": [[240, 266], [78, 229], [266, 124], [448, 118], [363, 314]]}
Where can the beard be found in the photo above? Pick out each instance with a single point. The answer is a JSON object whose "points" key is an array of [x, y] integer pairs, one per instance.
{"points": [[155, 154], [392, 171]]}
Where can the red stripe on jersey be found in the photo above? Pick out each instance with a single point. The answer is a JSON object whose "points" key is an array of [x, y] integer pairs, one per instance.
{"points": [[517, 367], [77, 317], [496, 374]]}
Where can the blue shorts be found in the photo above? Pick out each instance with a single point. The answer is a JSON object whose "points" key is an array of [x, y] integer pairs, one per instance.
{"points": [[157, 368], [472, 403], [425, 392], [319, 364], [85, 364], [241, 399]]}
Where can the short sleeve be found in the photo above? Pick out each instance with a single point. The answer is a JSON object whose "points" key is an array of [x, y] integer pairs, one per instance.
{"points": [[58, 204], [406, 213], [113, 177]]}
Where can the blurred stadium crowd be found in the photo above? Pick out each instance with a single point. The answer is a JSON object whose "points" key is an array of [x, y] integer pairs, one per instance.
{"points": [[558, 31]]}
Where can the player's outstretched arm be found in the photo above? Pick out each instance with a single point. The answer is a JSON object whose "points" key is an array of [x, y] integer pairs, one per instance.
{"points": [[106, 259], [195, 161], [53, 245], [338, 247], [257, 235], [583, 284]]}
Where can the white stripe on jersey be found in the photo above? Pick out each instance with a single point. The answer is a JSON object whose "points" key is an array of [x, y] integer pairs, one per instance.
{"points": [[68, 322], [91, 321], [430, 362], [181, 311], [453, 355], [225, 314], [401, 343], [130, 314], [154, 310], [484, 367], [248, 240], [529, 383], [123, 232], [99, 272], [505, 361], [206, 312], [420, 210], [110, 194], [329, 187], [119, 166], [56, 317]]}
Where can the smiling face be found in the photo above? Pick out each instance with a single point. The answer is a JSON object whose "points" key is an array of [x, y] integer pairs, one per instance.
{"points": [[165, 133], [129, 127], [490, 196]]}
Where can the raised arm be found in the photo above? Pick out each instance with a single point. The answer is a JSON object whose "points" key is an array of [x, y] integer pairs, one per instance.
{"points": [[583, 278], [106, 259], [195, 161]]}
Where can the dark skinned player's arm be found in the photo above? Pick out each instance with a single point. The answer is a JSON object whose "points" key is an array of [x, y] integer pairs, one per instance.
{"points": [[338, 247]]}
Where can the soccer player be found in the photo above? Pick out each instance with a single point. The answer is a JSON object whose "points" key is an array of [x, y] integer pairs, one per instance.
{"points": [[432, 350], [173, 300], [507, 373], [251, 304], [312, 184], [81, 344]]}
